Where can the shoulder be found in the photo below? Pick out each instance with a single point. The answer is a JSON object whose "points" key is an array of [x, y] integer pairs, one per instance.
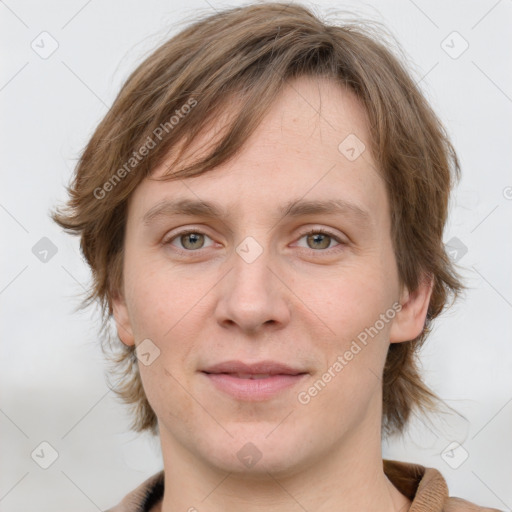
{"points": [[459, 505], [427, 489]]}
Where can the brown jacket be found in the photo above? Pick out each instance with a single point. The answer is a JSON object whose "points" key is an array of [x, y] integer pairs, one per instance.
{"points": [[425, 487]]}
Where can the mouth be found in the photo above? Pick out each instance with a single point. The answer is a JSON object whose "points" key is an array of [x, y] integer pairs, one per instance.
{"points": [[253, 382], [247, 375]]}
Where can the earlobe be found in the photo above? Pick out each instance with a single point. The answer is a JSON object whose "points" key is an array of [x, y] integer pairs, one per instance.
{"points": [[122, 320], [410, 320]]}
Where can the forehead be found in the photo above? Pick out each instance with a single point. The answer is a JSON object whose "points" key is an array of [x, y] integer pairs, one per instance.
{"points": [[308, 113], [312, 143]]}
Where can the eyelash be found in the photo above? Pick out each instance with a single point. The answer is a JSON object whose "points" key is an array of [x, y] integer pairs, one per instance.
{"points": [[328, 250]]}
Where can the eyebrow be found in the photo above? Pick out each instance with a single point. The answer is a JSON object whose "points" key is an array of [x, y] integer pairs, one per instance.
{"points": [[294, 208]]}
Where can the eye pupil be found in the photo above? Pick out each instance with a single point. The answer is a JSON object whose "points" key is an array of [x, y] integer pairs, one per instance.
{"points": [[190, 240], [319, 237]]}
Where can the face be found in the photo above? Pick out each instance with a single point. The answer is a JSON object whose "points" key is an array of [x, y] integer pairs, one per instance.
{"points": [[269, 313]]}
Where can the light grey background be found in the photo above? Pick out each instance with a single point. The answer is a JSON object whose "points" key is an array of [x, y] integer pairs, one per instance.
{"points": [[51, 368]]}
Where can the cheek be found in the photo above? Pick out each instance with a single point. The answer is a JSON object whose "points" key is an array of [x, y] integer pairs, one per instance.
{"points": [[167, 393], [351, 300], [354, 356], [358, 311], [158, 299], [165, 311]]}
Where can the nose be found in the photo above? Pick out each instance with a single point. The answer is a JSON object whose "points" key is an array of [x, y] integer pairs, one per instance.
{"points": [[251, 296]]}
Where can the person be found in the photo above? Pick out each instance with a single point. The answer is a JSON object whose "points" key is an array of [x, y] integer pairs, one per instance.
{"points": [[263, 208]]}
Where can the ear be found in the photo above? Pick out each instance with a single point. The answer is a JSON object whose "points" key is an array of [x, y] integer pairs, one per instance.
{"points": [[122, 319], [410, 320]]}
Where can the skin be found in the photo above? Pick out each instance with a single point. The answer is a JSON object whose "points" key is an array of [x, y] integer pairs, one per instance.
{"points": [[296, 303]]}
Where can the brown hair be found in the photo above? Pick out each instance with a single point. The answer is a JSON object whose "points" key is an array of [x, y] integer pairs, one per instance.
{"points": [[249, 53]]}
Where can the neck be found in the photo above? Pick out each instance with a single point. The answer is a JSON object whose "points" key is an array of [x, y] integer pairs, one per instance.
{"points": [[350, 477]]}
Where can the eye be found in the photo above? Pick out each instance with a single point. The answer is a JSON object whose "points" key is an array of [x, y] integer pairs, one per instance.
{"points": [[188, 240], [194, 240], [319, 239]]}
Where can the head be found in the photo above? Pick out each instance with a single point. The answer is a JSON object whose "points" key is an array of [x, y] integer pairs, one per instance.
{"points": [[256, 111]]}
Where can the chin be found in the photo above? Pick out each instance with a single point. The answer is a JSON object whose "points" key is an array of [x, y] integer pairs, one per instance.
{"points": [[253, 453]]}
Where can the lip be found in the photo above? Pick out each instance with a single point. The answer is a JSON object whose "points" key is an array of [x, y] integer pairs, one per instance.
{"points": [[244, 381], [262, 367]]}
